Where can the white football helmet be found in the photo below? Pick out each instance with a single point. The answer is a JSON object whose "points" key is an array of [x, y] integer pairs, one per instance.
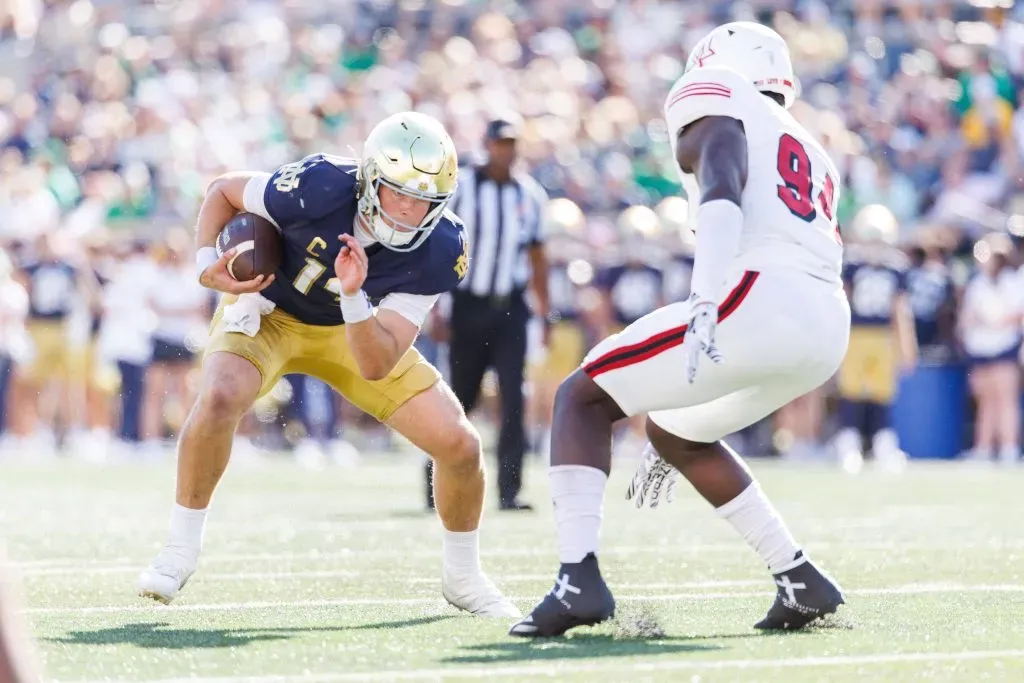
{"points": [[754, 51], [875, 224]]}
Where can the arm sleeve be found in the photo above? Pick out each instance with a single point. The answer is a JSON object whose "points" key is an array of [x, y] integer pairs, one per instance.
{"points": [[710, 91], [252, 198], [412, 307]]}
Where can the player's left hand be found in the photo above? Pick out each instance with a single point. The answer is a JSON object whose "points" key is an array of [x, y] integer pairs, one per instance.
{"points": [[351, 265], [700, 337], [653, 477]]}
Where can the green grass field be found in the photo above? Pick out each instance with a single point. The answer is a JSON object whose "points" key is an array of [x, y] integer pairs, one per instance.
{"points": [[334, 576]]}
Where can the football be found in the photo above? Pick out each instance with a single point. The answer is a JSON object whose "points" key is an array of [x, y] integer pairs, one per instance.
{"points": [[259, 244]]}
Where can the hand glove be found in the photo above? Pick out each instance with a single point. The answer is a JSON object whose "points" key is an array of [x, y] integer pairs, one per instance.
{"points": [[653, 477], [700, 337]]}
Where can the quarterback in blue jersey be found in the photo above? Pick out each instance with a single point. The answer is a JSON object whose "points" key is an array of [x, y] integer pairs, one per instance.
{"points": [[368, 247]]}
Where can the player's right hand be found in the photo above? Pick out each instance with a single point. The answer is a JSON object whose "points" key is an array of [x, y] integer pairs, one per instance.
{"points": [[653, 477], [217, 277], [700, 337]]}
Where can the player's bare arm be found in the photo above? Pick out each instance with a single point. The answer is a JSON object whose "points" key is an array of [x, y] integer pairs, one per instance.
{"points": [[539, 280], [222, 201], [903, 327], [379, 341], [715, 150]]}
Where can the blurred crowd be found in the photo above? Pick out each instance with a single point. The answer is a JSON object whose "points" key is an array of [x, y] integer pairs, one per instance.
{"points": [[115, 115]]}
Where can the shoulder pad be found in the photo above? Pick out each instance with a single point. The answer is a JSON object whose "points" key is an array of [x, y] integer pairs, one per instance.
{"points": [[709, 91], [448, 258], [451, 216], [346, 164], [309, 189]]}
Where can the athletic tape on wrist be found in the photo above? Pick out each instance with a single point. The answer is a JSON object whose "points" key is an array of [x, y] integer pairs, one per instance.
{"points": [[356, 308], [205, 257]]}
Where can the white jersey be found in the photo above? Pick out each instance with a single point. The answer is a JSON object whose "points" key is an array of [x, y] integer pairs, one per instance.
{"points": [[792, 184]]}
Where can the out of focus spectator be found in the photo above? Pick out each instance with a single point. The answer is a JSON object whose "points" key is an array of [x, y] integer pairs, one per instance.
{"points": [[181, 309], [932, 290], [990, 329], [14, 343], [124, 338]]}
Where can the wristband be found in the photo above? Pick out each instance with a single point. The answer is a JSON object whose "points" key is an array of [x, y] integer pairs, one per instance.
{"points": [[205, 257], [356, 308]]}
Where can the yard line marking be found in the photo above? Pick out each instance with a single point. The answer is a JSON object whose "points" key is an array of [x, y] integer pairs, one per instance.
{"points": [[909, 589], [212, 576], [77, 563], [625, 585], [665, 664]]}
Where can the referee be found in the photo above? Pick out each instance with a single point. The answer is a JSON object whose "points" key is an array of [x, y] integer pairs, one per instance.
{"points": [[503, 213]]}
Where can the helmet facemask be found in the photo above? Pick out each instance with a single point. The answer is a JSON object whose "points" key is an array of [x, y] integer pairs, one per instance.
{"points": [[389, 230]]}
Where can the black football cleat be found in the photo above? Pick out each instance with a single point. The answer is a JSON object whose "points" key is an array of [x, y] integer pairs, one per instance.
{"points": [[805, 595], [580, 598]]}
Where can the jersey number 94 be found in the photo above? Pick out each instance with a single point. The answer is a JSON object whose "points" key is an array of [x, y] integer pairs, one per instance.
{"points": [[798, 189]]}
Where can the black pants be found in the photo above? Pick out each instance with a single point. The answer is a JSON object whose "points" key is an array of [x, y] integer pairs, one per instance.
{"points": [[6, 370], [133, 381], [485, 335]]}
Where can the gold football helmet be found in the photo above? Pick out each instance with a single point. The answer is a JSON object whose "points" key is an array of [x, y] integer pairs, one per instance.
{"points": [[413, 155]]}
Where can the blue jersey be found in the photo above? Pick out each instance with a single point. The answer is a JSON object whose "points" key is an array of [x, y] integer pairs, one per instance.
{"points": [[930, 289], [313, 201], [634, 291], [52, 286], [874, 279], [561, 291]]}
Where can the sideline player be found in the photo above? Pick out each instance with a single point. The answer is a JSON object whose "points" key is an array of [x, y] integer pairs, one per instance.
{"points": [[382, 223], [767, 310], [883, 343]]}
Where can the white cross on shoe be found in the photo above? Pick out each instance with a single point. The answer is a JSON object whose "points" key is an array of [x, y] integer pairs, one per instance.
{"points": [[562, 586], [790, 587]]}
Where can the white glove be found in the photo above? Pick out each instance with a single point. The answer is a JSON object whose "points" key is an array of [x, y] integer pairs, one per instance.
{"points": [[653, 476], [244, 315], [700, 337]]}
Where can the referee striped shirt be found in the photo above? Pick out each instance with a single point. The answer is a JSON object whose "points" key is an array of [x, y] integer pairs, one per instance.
{"points": [[502, 221]]}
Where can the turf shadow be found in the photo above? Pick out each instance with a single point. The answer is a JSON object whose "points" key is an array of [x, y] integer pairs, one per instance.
{"points": [[404, 623], [157, 635], [154, 635], [576, 647]]}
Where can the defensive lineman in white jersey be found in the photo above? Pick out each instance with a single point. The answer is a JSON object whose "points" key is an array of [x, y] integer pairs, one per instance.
{"points": [[767, 322]]}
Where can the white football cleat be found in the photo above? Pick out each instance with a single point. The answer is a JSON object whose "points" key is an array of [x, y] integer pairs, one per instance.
{"points": [[477, 594], [168, 574]]}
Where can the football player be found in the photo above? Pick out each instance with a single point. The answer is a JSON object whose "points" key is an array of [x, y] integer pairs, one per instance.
{"points": [[767, 321], [631, 288], [368, 248], [569, 272], [677, 239], [882, 339]]}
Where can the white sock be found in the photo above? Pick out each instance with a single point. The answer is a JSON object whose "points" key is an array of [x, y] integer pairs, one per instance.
{"points": [[757, 521], [578, 495], [461, 551], [187, 527]]}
